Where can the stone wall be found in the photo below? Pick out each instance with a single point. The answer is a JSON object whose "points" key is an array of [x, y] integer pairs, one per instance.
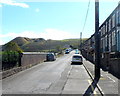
{"points": [[109, 62], [27, 60], [114, 67], [31, 58]]}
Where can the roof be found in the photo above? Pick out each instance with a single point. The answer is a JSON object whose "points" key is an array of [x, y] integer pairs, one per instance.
{"points": [[76, 55]]}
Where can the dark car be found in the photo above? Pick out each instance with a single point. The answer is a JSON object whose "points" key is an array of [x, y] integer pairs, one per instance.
{"points": [[50, 57], [67, 51]]}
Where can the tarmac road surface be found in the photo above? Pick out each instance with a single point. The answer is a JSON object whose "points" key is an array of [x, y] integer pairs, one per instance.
{"points": [[54, 77]]}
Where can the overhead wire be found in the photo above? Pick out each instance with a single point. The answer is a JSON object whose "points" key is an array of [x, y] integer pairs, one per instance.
{"points": [[86, 16], [84, 23]]}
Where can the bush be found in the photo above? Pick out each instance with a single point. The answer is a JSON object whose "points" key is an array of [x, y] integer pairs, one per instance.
{"points": [[12, 46], [9, 59]]}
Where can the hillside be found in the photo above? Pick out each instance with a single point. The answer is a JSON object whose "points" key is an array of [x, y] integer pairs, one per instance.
{"points": [[40, 44]]}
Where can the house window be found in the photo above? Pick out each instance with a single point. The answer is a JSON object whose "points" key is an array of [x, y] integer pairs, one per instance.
{"points": [[117, 17], [118, 42], [104, 44], [106, 27], [106, 41], [113, 38], [101, 32], [101, 44], [113, 21], [109, 24], [109, 42]]}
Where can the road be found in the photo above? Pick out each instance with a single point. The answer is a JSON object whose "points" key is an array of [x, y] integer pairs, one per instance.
{"points": [[55, 77]]}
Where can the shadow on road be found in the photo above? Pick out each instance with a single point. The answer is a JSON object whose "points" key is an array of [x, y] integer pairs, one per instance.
{"points": [[76, 63], [91, 88]]}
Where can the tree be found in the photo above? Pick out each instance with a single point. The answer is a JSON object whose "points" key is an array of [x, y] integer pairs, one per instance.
{"points": [[58, 48], [12, 46]]}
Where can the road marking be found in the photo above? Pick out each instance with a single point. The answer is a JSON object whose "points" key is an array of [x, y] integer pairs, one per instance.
{"points": [[94, 92], [111, 79], [99, 88], [76, 70], [101, 78]]}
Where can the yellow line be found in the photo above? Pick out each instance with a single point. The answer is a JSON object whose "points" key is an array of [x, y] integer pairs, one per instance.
{"points": [[94, 92]]}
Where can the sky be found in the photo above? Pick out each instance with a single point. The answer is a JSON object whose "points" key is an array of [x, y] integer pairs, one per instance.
{"points": [[50, 19]]}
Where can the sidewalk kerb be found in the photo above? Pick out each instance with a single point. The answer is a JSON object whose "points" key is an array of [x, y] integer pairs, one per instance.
{"points": [[100, 90]]}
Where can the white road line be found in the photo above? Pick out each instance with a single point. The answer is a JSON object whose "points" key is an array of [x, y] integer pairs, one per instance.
{"points": [[94, 92], [111, 79], [99, 88]]}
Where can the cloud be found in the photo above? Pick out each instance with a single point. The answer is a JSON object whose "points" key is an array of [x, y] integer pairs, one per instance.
{"points": [[29, 34], [14, 3], [68, 0], [37, 10], [0, 5], [50, 33], [55, 34]]}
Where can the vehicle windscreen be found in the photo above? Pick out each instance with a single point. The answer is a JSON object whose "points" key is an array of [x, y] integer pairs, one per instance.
{"points": [[77, 57], [49, 54]]}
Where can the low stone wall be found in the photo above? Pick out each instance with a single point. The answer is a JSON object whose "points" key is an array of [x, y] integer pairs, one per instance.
{"points": [[27, 60], [114, 67], [31, 58], [10, 72], [109, 62], [105, 59]]}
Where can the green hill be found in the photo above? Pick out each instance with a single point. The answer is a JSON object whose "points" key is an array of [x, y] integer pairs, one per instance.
{"points": [[40, 44]]}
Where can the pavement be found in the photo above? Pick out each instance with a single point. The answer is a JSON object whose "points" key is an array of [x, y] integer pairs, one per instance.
{"points": [[107, 84], [79, 82]]}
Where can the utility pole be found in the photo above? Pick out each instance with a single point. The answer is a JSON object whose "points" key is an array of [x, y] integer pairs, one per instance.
{"points": [[80, 40], [97, 41]]}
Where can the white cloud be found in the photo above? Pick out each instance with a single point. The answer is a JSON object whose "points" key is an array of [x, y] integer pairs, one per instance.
{"points": [[0, 5], [56, 34], [37, 10], [47, 34], [14, 3], [67, 0], [29, 34]]}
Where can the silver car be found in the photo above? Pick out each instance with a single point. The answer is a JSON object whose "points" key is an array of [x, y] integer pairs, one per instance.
{"points": [[77, 58]]}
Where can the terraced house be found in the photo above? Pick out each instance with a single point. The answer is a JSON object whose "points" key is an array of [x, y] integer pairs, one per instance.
{"points": [[109, 33]]}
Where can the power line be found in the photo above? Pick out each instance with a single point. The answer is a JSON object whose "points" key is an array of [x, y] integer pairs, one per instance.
{"points": [[86, 15]]}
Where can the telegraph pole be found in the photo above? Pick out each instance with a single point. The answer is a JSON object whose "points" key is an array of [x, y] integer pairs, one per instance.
{"points": [[97, 41], [80, 40]]}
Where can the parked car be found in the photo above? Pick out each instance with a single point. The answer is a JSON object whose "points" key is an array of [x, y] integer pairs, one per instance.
{"points": [[77, 58], [67, 51], [77, 53], [50, 57]]}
